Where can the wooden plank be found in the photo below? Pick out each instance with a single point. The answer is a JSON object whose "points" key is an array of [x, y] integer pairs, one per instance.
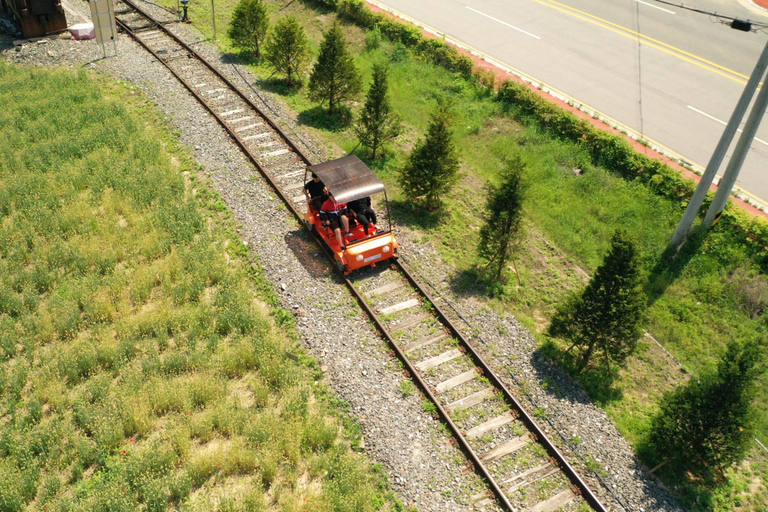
{"points": [[503, 449], [471, 400], [400, 307], [410, 321], [490, 425], [555, 502], [229, 112], [247, 127], [293, 186], [258, 136], [442, 358], [394, 285], [244, 118], [276, 153], [219, 89], [456, 381], [286, 175], [299, 199], [530, 476], [423, 342]]}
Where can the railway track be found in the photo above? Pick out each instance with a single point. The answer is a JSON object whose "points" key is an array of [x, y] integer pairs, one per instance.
{"points": [[503, 444]]}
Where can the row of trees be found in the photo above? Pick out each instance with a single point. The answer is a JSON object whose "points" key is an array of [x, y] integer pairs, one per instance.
{"points": [[334, 79], [704, 425]]}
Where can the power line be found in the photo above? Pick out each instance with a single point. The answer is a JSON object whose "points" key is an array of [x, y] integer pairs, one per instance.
{"points": [[639, 69]]}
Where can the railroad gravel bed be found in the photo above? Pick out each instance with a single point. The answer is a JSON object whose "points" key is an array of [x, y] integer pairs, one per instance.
{"points": [[424, 468]]}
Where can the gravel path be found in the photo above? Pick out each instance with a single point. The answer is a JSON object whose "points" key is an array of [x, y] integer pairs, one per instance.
{"points": [[424, 468]]}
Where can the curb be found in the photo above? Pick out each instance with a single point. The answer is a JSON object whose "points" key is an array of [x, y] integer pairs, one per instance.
{"points": [[745, 200]]}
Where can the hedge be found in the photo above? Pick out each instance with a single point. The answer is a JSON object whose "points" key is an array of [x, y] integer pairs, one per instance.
{"points": [[615, 153], [606, 149], [430, 49]]}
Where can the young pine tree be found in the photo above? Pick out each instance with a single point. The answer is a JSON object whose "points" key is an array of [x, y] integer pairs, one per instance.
{"points": [[502, 219], [708, 423], [287, 50], [249, 25], [432, 168], [605, 320], [377, 123], [334, 78]]}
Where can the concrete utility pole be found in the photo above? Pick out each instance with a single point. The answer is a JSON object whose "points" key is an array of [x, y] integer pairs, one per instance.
{"points": [[737, 159], [717, 157]]}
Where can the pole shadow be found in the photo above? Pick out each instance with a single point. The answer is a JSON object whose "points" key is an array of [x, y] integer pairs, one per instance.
{"points": [[671, 264]]}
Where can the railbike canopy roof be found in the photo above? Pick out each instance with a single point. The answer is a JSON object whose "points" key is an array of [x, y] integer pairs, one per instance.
{"points": [[348, 178]]}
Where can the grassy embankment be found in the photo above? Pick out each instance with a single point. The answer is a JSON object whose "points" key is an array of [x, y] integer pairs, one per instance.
{"points": [[142, 357], [717, 293]]}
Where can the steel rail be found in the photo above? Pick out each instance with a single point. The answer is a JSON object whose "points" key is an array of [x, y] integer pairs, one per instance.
{"points": [[541, 437], [224, 79], [202, 101], [427, 390]]}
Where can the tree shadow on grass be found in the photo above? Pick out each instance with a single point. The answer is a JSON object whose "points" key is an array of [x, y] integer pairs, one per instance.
{"points": [[671, 264], [599, 382], [693, 493], [412, 213], [470, 282], [318, 117]]}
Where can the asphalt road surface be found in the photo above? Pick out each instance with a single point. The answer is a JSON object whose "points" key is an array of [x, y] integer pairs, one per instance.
{"points": [[671, 75]]}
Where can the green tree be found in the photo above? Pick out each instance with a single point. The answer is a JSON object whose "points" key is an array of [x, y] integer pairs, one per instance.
{"points": [[334, 77], [287, 50], [249, 25], [378, 123], [504, 208], [432, 168], [708, 423], [604, 320]]}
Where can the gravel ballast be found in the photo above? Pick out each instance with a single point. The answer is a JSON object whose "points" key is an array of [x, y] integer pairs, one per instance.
{"points": [[425, 468]]}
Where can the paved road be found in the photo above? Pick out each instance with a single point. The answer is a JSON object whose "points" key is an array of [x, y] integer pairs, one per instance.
{"points": [[670, 74]]}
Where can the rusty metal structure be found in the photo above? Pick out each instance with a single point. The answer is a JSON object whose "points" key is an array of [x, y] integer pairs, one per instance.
{"points": [[37, 17]]}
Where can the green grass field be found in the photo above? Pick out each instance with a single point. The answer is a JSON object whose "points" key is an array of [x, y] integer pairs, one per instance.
{"points": [[142, 360], [717, 293]]}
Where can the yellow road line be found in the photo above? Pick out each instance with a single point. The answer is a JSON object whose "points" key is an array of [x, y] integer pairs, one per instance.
{"points": [[610, 121], [655, 43]]}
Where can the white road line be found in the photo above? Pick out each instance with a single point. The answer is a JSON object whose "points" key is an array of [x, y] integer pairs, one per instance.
{"points": [[503, 23], [655, 7], [761, 141]]}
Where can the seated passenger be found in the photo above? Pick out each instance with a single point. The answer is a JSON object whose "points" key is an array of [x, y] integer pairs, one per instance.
{"points": [[331, 214], [360, 210], [316, 192]]}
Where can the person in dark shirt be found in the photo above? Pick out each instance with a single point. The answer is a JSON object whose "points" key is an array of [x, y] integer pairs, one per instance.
{"points": [[361, 211], [331, 214], [315, 192]]}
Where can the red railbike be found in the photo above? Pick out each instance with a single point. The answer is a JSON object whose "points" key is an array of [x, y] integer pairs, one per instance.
{"points": [[349, 179]]}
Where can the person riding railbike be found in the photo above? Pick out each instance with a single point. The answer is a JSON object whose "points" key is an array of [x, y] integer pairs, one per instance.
{"points": [[316, 192], [361, 211], [334, 215]]}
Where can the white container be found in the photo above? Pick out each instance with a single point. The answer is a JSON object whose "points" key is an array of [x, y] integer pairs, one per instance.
{"points": [[82, 31]]}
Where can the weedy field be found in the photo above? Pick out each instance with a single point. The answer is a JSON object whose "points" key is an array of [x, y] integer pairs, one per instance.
{"points": [[716, 291], [142, 358]]}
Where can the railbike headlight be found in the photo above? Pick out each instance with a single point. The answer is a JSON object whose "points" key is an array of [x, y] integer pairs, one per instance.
{"points": [[385, 249], [359, 257]]}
